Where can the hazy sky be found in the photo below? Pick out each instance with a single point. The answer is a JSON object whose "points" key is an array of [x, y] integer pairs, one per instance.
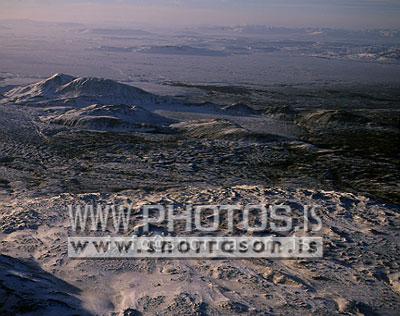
{"points": [[332, 13]]}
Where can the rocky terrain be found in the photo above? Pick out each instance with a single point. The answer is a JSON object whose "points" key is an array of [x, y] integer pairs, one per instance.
{"points": [[67, 140]]}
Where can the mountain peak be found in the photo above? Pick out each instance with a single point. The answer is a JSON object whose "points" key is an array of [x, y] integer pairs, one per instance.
{"points": [[61, 77], [54, 82], [92, 86], [62, 89]]}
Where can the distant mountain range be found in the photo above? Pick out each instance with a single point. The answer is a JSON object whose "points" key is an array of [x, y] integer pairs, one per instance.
{"points": [[62, 90], [107, 105], [263, 29]]}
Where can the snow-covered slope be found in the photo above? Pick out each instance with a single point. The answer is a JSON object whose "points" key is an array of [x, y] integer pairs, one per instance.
{"points": [[40, 90], [221, 129], [213, 129], [25, 289], [62, 89], [111, 117]]}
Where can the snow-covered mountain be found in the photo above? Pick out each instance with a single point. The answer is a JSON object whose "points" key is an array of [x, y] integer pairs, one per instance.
{"points": [[62, 89]]}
